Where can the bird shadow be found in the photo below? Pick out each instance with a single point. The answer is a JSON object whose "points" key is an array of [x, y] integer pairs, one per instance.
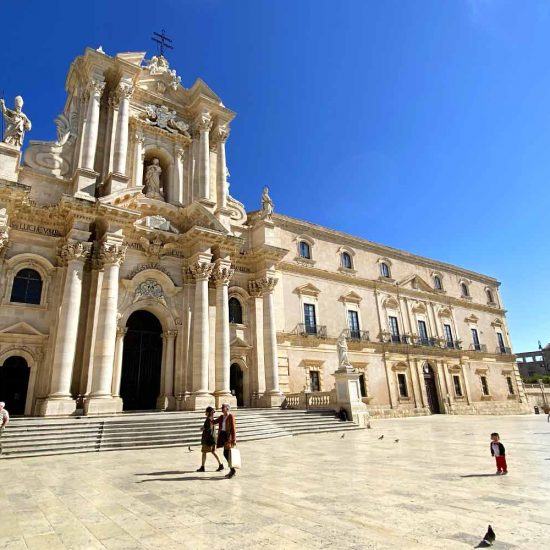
{"points": [[191, 478], [480, 475], [483, 544], [168, 472]]}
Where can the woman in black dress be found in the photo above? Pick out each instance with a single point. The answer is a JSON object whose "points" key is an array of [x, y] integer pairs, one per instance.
{"points": [[208, 439]]}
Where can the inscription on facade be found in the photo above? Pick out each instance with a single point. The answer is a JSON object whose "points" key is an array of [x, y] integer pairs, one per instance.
{"points": [[31, 228]]}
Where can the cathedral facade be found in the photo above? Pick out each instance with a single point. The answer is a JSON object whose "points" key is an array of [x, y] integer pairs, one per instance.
{"points": [[130, 279]]}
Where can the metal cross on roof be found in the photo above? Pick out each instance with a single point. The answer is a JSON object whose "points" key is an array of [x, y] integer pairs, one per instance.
{"points": [[163, 42]]}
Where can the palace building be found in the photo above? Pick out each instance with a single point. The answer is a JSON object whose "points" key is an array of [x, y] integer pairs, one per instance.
{"points": [[131, 279]]}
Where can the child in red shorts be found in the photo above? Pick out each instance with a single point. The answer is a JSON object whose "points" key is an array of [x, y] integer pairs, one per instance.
{"points": [[499, 452]]}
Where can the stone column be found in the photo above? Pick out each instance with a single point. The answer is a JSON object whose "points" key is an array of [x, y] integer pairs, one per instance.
{"points": [[124, 91], [203, 126], [138, 159], [273, 396], [167, 401], [222, 275], [95, 89], [100, 399], [60, 401], [221, 170], [179, 186], [119, 349], [201, 349]]}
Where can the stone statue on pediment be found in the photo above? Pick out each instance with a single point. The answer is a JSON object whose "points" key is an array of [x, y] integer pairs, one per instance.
{"points": [[152, 180], [267, 205], [342, 348], [17, 122]]}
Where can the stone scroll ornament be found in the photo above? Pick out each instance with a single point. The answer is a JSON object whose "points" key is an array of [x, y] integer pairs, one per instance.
{"points": [[164, 118], [17, 122], [149, 289]]}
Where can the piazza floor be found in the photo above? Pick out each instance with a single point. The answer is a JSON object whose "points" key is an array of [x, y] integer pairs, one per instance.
{"points": [[435, 488]]}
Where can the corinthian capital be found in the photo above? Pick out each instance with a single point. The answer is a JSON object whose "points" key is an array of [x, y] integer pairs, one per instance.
{"points": [[4, 239], [222, 133], [201, 270], [262, 286], [111, 254], [73, 250], [124, 90], [203, 123], [222, 275], [95, 87]]}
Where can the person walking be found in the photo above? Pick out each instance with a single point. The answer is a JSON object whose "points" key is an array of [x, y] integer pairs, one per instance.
{"points": [[499, 452], [208, 439], [4, 420], [227, 435]]}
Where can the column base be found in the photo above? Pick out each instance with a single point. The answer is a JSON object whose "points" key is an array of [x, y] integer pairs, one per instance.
{"points": [[166, 403], [102, 405], [199, 402], [56, 407], [271, 400], [84, 182], [10, 158], [115, 182], [228, 398]]}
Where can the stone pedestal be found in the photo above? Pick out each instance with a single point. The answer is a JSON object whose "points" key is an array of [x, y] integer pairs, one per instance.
{"points": [[348, 395], [102, 405], [84, 182], [222, 398], [166, 403], [199, 402], [10, 157], [115, 182], [56, 407], [271, 400]]}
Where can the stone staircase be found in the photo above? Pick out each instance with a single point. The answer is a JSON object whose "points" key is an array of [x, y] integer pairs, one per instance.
{"points": [[27, 437]]}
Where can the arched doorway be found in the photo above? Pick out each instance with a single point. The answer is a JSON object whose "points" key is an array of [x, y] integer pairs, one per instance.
{"points": [[431, 389], [141, 362], [236, 383], [14, 382]]}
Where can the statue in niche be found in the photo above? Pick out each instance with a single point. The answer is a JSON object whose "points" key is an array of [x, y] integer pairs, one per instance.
{"points": [[342, 347], [152, 180], [267, 205], [17, 122]]}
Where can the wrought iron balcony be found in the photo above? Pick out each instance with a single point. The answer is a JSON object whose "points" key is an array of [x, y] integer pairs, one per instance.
{"points": [[503, 350], [360, 335], [320, 331], [429, 341], [452, 344], [389, 338], [478, 347]]}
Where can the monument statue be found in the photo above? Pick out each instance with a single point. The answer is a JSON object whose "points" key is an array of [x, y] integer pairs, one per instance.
{"points": [[17, 122], [267, 205], [152, 180], [342, 347]]}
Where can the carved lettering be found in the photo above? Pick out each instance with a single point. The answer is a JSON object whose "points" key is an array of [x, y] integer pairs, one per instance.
{"points": [[31, 228]]}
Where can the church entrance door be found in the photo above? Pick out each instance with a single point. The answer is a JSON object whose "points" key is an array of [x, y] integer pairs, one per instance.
{"points": [[14, 381], [431, 389], [141, 362], [236, 383]]}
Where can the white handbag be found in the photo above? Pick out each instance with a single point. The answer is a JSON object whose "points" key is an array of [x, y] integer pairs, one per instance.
{"points": [[235, 457]]}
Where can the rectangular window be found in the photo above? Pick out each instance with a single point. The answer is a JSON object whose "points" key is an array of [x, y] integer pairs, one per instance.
{"points": [[458, 386], [475, 340], [402, 381], [501, 345], [310, 319], [353, 324], [314, 381], [394, 329], [448, 335], [423, 333], [363, 385], [484, 385], [510, 385]]}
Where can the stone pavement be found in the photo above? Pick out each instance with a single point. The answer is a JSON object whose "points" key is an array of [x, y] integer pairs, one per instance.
{"points": [[435, 488]]}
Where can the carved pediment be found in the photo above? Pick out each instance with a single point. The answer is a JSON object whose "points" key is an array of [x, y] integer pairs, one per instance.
{"points": [[351, 298], [239, 343], [307, 290], [22, 328], [415, 282]]}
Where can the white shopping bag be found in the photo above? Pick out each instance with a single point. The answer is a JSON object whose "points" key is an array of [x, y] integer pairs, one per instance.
{"points": [[235, 456]]}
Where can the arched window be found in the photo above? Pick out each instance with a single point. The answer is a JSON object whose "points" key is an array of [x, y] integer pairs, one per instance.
{"points": [[437, 283], [464, 289], [490, 297], [346, 260], [235, 311], [305, 250], [27, 287], [385, 270]]}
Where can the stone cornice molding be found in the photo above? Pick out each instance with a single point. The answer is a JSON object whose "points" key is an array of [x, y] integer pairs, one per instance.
{"points": [[341, 238], [201, 271]]}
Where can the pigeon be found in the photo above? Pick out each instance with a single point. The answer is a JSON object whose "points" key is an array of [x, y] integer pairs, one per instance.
{"points": [[342, 436], [396, 441], [189, 449], [490, 536], [381, 437]]}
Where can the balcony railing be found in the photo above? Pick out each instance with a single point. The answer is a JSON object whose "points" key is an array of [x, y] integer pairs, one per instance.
{"points": [[503, 350], [357, 335], [320, 331], [389, 338], [429, 341], [452, 344], [478, 347]]}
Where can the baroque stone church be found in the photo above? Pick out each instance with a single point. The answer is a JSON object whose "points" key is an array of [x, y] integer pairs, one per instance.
{"points": [[130, 279]]}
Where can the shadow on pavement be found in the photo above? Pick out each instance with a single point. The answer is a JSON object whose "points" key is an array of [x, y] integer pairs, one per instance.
{"points": [[480, 475], [191, 478], [169, 472]]}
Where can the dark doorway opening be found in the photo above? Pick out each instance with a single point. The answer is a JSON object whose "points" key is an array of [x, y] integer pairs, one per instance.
{"points": [[236, 383], [431, 389], [141, 362], [14, 382]]}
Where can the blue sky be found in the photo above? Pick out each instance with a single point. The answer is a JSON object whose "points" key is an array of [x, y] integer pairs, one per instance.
{"points": [[420, 124]]}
